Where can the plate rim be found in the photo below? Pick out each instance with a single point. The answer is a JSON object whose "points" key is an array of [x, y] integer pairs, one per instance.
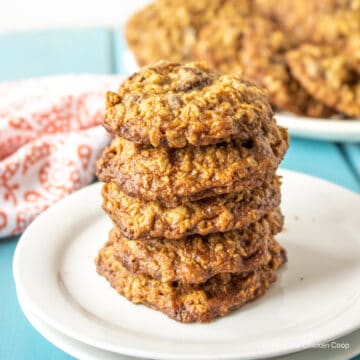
{"points": [[60, 340], [130, 351], [57, 339], [345, 131]]}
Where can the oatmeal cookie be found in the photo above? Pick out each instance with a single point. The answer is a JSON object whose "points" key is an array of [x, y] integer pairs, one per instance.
{"points": [[176, 176], [190, 302], [328, 75], [263, 57], [334, 26], [168, 29], [312, 20], [353, 50], [220, 44], [138, 219], [176, 105], [195, 259]]}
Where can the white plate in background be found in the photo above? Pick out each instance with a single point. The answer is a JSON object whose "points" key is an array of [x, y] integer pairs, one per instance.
{"points": [[316, 299], [344, 130]]}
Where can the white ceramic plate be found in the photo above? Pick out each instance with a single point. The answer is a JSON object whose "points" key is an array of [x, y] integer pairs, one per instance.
{"points": [[316, 299], [345, 347], [305, 127], [72, 347], [321, 129]]}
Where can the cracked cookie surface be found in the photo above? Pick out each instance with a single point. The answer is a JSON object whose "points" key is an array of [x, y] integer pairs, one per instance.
{"points": [[138, 219], [175, 176], [177, 105], [190, 302], [195, 259]]}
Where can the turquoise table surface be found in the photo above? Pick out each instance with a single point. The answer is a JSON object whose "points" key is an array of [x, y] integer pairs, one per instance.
{"points": [[99, 50]]}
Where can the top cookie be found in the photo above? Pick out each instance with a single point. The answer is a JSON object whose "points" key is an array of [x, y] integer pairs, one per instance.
{"points": [[178, 105]]}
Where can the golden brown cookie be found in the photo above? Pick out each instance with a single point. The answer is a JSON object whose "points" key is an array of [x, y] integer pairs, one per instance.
{"points": [[312, 20], [190, 302], [333, 26], [353, 50], [167, 29], [176, 105], [328, 75], [176, 176], [195, 259], [138, 219], [220, 44], [263, 56]]}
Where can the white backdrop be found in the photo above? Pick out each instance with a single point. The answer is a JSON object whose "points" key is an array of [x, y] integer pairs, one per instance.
{"points": [[17, 15]]}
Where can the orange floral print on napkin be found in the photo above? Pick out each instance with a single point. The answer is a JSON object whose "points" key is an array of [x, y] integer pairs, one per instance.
{"points": [[50, 138]]}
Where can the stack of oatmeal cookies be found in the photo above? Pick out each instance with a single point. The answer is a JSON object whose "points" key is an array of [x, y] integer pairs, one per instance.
{"points": [[306, 53], [191, 187]]}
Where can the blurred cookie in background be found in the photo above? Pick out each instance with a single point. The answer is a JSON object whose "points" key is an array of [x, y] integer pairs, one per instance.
{"points": [[327, 74], [220, 44], [251, 38], [168, 29], [263, 57]]}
